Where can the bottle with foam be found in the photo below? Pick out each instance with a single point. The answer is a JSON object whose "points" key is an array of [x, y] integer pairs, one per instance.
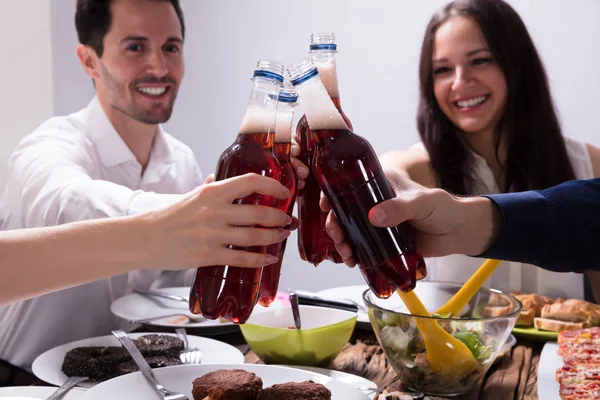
{"points": [[314, 244], [228, 291], [350, 175], [288, 97]]}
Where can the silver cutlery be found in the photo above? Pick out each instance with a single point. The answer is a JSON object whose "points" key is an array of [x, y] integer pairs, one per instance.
{"points": [[188, 355], [66, 386], [145, 368], [295, 310], [164, 295], [197, 318], [361, 307], [313, 299]]}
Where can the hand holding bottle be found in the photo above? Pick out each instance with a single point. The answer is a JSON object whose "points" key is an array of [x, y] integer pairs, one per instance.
{"points": [[440, 223]]}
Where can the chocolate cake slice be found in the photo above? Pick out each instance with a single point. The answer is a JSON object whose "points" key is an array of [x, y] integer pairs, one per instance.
{"points": [[307, 390], [103, 363], [159, 345], [154, 362], [97, 363], [227, 384]]}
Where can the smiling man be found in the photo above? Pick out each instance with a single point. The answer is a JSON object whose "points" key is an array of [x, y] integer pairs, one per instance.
{"points": [[110, 159]]}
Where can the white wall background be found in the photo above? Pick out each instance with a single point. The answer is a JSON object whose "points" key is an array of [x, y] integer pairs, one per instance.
{"points": [[379, 44], [25, 72]]}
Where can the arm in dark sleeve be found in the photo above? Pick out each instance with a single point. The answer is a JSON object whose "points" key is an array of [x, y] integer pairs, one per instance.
{"points": [[556, 229]]}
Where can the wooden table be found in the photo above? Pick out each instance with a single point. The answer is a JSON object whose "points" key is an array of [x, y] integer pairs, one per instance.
{"points": [[513, 377]]}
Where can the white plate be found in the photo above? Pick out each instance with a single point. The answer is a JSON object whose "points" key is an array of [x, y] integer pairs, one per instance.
{"points": [[36, 392], [180, 378], [48, 365], [353, 293], [135, 306], [550, 361], [356, 381]]}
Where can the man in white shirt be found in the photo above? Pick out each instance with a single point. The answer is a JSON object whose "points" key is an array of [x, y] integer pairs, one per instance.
{"points": [[110, 159]]}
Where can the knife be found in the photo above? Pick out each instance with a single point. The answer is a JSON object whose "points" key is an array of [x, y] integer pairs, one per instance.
{"points": [[309, 299]]}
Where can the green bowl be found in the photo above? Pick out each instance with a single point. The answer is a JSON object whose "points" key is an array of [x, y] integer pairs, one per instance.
{"points": [[324, 333]]}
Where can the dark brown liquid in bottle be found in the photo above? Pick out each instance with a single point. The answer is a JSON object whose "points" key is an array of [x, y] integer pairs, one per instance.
{"points": [[227, 291], [314, 243], [269, 282], [351, 177]]}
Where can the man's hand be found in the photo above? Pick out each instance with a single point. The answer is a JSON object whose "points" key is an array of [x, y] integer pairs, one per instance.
{"points": [[441, 224]]}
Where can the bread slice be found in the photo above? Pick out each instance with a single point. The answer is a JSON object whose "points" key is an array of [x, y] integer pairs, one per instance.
{"points": [[496, 311], [526, 318], [553, 325], [565, 312], [592, 310], [533, 302]]}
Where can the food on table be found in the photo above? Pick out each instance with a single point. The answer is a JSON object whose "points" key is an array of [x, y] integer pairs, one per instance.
{"points": [[102, 363], [553, 325], [579, 377], [399, 335], [238, 384], [307, 390], [97, 363], [588, 335], [558, 315], [532, 307], [406, 347], [159, 345], [573, 310], [227, 384], [153, 362]]}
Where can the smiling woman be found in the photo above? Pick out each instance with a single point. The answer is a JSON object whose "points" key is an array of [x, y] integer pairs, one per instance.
{"points": [[487, 123], [469, 86]]}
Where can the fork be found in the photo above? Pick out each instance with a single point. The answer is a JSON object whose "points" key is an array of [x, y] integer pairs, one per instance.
{"points": [[145, 368], [188, 355], [66, 386], [197, 318], [164, 295]]}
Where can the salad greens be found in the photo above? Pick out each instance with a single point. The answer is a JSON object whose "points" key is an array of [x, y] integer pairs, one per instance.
{"points": [[473, 342]]}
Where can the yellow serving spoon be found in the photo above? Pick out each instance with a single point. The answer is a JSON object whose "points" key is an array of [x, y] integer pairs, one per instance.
{"points": [[455, 305], [447, 355]]}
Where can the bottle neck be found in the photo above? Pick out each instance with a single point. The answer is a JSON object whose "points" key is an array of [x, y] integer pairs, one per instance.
{"points": [[261, 111], [326, 64], [265, 140], [320, 110], [283, 125]]}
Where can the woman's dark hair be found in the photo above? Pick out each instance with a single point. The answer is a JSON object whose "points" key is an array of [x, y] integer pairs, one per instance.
{"points": [[93, 19], [537, 155]]}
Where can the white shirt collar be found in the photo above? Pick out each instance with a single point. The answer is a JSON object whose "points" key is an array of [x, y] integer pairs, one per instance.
{"points": [[487, 182], [111, 148]]}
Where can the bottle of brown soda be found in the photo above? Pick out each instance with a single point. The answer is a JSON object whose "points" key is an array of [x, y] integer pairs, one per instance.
{"points": [[228, 291], [288, 97], [350, 175], [314, 244]]}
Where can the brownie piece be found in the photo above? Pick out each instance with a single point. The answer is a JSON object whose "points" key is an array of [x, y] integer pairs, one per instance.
{"points": [[159, 345], [154, 362], [103, 363], [307, 390], [97, 363], [227, 384]]}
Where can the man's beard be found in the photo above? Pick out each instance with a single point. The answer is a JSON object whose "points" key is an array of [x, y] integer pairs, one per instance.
{"points": [[116, 93]]}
